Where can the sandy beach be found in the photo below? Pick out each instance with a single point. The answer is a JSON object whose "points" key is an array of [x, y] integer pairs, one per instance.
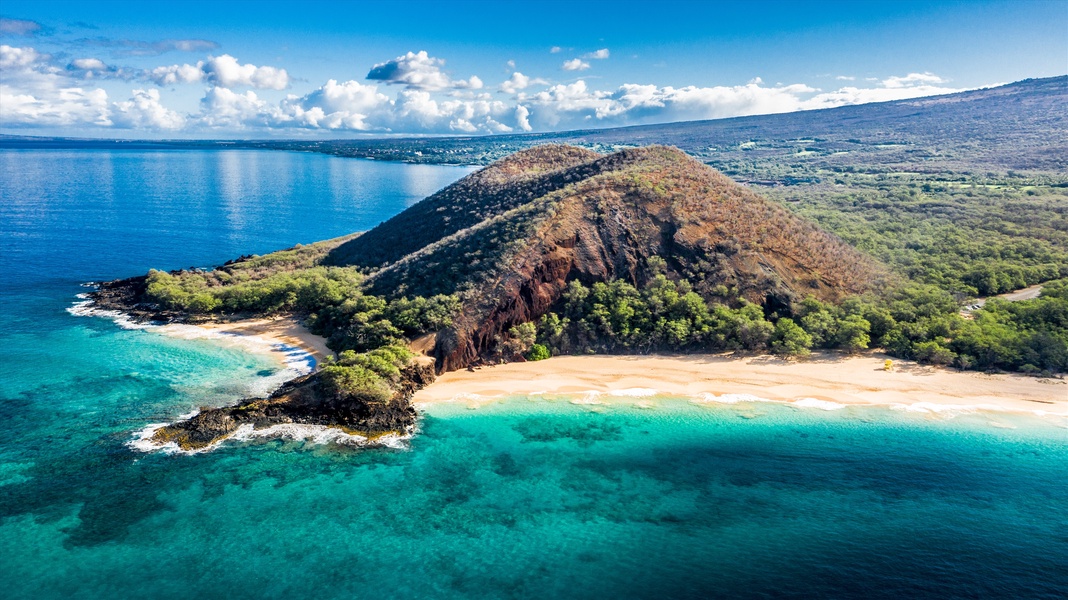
{"points": [[280, 330], [824, 378], [827, 378]]}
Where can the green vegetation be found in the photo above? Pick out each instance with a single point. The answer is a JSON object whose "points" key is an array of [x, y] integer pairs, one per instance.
{"points": [[790, 339], [369, 376], [917, 321], [292, 281], [952, 235], [363, 322], [218, 291], [538, 352], [971, 240], [1029, 336], [670, 316]]}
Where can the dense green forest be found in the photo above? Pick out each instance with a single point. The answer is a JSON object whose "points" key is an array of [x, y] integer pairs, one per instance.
{"points": [[915, 321]]}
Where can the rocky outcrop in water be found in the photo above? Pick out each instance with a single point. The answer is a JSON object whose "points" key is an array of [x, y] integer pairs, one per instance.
{"points": [[305, 401], [129, 296]]}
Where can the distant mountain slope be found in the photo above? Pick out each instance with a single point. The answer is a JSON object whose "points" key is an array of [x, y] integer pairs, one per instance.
{"points": [[509, 237], [1022, 125]]}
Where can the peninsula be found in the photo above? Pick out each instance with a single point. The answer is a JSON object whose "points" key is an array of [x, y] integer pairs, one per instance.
{"points": [[554, 250]]}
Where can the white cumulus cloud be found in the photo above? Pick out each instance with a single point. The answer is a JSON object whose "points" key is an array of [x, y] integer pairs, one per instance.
{"points": [[575, 64], [177, 74], [519, 81], [471, 83], [94, 68], [19, 58], [144, 111], [913, 79], [345, 106], [853, 95], [577, 105], [224, 71], [223, 107], [521, 118], [34, 93], [419, 71], [65, 107]]}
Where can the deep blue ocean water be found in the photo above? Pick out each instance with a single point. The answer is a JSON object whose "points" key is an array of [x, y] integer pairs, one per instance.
{"points": [[527, 498]]}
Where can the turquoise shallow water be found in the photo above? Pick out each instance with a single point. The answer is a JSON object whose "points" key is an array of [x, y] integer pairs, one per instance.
{"points": [[526, 498]]}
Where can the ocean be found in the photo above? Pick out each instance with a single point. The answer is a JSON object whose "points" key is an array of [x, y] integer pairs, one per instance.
{"points": [[528, 497]]}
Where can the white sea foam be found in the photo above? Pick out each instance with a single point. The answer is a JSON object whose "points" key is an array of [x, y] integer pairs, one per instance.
{"points": [[469, 397], [592, 397], [946, 409], [142, 441], [816, 403], [296, 361], [929, 407], [728, 398], [87, 308], [634, 392], [738, 398], [315, 434], [312, 434]]}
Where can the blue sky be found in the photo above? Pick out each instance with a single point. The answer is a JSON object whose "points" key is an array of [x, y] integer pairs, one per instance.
{"points": [[317, 69]]}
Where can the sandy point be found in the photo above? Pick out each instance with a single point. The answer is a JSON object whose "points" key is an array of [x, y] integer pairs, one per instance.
{"points": [[286, 330]]}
